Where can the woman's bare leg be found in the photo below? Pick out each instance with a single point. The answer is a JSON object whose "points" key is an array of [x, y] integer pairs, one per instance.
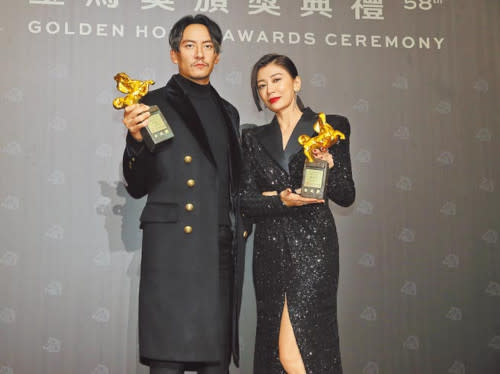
{"points": [[288, 350]]}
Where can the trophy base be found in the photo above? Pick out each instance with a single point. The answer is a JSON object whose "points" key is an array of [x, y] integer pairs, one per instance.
{"points": [[314, 179], [157, 131]]}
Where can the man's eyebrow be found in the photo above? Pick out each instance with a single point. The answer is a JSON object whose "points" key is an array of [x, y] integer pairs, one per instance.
{"points": [[194, 41]]}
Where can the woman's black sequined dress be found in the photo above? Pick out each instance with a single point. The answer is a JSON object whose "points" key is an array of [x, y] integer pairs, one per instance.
{"points": [[295, 249]]}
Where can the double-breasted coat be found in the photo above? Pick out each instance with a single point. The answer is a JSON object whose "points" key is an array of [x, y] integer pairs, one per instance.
{"points": [[179, 285]]}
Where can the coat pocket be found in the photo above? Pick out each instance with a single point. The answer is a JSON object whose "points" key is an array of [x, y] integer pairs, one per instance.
{"points": [[160, 212]]}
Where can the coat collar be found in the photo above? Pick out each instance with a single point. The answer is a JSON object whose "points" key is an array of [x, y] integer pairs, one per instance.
{"points": [[178, 99], [176, 96]]}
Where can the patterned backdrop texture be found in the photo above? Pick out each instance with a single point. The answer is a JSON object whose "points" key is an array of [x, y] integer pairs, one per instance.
{"points": [[420, 254]]}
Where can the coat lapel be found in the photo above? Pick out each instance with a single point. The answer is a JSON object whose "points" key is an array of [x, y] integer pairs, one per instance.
{"points": [[179, 100], [233, 128]]}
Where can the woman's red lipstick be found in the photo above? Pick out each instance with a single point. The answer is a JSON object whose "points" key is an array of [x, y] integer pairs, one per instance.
{"points": [[274, 99]]}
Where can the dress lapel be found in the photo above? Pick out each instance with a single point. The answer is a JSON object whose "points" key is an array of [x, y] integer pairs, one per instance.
{"points": [[271, 139], [303, 127]]}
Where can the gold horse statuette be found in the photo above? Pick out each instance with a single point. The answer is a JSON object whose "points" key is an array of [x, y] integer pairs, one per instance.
{"points": [[327, 136], [134, 89]]}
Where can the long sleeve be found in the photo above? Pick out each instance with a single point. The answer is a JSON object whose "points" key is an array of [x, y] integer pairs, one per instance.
{"points": [[340, 185], [136, 163], [253, 204]]}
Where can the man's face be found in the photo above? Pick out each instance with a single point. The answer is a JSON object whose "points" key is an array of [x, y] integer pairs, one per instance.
{"points": [[196, 57]]}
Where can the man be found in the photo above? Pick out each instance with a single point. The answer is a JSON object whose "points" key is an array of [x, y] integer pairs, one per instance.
{"points": [[193, 240]]}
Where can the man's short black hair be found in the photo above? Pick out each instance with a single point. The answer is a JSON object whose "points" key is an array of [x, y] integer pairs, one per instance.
{"points": [[177, 30]]}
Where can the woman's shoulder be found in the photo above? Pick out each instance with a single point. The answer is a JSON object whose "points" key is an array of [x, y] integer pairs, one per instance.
{"points": [[336, 120], [339, 122]]}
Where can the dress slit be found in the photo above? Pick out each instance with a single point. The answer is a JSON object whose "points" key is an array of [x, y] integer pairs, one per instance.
{"points": [[293, 336], [288, 274]]}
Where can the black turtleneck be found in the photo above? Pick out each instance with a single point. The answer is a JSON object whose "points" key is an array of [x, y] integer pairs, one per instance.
{"points": [[209, 111]]}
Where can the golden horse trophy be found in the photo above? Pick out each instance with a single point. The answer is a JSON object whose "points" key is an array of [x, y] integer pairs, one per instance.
{"points": [[158, 130], [316, 171]]}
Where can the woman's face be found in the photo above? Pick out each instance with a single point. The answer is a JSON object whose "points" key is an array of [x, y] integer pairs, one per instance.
{"points": [[276, 87]]}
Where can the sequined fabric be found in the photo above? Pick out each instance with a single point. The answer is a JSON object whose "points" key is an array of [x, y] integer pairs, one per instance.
{"points": [[295, 254]]}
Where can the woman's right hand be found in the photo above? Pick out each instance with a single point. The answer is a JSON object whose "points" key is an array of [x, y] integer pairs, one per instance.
{"points": [[135, 117], [290, 198], [269, 193]]}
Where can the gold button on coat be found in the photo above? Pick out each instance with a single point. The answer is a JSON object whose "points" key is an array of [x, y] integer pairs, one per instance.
{"points": [[190, 182], [245, 234], [188, 229], [188, 159], [189, 207]]}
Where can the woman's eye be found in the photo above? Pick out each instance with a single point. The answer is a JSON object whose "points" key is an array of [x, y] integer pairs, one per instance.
{"points": [[260, 87]]}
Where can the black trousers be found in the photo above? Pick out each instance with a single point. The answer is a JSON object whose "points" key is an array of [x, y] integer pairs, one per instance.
{"points": [[226, 270]]}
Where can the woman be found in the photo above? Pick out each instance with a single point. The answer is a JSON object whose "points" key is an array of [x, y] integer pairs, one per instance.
{"points": [[296, 257]]}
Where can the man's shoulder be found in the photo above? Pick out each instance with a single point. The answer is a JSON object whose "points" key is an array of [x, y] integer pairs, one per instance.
{"points": [[228, 106], [162, 94], [153, 96]]}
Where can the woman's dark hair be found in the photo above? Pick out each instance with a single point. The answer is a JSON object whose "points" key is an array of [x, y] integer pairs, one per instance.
{"points": [[272, 58], [177, 30]]}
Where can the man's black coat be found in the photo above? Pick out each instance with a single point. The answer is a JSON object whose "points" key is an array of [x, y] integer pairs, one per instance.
{"points": [[178, 295]]}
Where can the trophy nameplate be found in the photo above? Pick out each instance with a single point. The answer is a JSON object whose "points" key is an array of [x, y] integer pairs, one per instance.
{"points": [[314, 179], [315, 172], [158, 130]]}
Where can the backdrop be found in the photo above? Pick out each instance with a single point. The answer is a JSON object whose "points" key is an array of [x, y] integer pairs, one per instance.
{"points": [[420, 255]]}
